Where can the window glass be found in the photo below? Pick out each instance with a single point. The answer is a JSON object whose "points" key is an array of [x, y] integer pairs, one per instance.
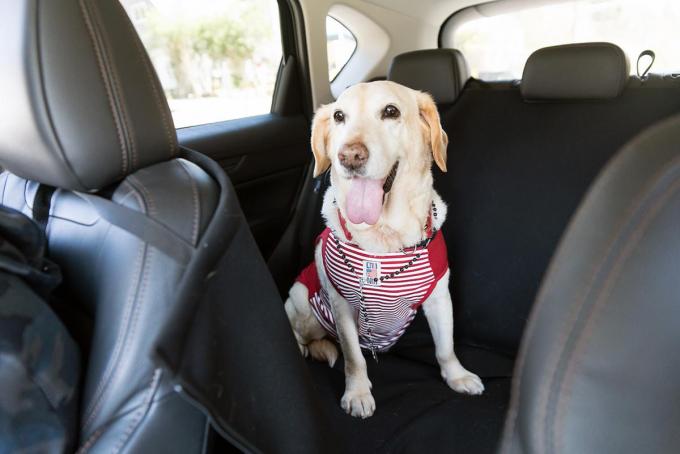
{"points": [[217, 59], [340, 43], [497, 47]]}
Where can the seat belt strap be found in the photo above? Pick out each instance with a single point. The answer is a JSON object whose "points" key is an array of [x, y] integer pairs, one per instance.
{"points": [[41, 205], [143, 227]]}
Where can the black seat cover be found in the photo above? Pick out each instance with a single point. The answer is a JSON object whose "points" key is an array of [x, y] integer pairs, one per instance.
{"points": [[518, 169], [599, 362]]}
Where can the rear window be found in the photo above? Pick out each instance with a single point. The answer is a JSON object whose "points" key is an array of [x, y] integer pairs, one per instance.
{"points": [[497, 46], [340, 44]]}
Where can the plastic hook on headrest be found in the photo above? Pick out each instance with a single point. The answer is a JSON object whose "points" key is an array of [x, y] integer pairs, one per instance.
{"points": [[646, 53]]}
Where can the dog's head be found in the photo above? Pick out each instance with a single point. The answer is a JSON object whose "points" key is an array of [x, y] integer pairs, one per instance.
{"points": [[371, 132]]}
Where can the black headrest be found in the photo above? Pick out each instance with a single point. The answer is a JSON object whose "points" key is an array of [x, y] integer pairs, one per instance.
{"points": [[82, 104], [440, 72], [575, 71]]}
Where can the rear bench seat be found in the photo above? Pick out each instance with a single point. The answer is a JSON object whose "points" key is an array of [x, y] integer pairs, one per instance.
{"points": [[520, 158]]}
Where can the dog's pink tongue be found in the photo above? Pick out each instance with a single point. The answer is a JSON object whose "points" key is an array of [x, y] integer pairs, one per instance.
{"points": [[364, 200]]}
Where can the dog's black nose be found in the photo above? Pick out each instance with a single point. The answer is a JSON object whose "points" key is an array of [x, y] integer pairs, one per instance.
{"points": [[353, 156]]}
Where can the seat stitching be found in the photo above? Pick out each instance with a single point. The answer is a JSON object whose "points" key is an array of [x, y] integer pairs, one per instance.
{"points": [[95, 404], [135, 317], [143, 409], [634, 207], [149, 253], [110, 63], [106, 83], [196, 203], [154, 87], [538, 435], [97, 434], [90, 441], [153, 211], [47, 108], [570, 327], [147, 264], [565, 334], [4, 186], [582, 339], [27, 202]]}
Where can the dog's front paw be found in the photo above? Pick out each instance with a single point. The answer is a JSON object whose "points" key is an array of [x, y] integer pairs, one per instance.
{"points": [[467, 383], [358, 403]]}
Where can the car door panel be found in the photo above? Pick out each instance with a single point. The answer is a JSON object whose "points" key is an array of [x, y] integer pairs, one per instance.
{"points": [[266, 157]]}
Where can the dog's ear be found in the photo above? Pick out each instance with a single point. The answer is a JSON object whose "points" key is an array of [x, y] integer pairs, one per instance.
{"points": [[320, 129], [437, 137]]}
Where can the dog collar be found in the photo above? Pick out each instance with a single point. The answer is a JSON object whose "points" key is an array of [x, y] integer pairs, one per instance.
{"points": [[387, 187]]}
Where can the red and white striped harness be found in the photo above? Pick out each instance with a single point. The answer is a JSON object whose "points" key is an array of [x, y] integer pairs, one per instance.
{"points": [[409, 278]]}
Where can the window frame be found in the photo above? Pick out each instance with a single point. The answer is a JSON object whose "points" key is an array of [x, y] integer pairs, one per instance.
{"points": [[354, 51], [366, 57]]}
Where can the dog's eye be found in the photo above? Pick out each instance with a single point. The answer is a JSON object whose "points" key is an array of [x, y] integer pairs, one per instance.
{"points": [[390, 112], [339, 116]]}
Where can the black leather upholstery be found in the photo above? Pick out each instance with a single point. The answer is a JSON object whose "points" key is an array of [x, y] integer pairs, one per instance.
{"points": [[440, 72], [575, 71], [599, 363], [125, 289], [82, 106], [84, 111]]}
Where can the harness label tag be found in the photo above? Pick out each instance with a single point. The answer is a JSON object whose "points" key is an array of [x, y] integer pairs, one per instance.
{"points": [[371, 273]]}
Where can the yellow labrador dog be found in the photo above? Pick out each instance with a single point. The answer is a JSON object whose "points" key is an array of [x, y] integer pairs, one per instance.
{"points": [[382, 254]]}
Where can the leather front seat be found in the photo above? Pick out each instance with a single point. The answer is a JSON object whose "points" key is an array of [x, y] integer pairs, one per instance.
{"points": [[83, 111], [599, 365]]}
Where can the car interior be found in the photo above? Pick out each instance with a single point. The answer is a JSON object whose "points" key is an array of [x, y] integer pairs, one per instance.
{"points": [[177, 245]]}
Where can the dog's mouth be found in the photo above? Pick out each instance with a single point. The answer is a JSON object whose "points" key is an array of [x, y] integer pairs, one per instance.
{"points": [[366, 197]]}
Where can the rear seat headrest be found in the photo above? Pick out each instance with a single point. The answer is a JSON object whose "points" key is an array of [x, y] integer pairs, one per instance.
{"points": [[440, 72], [575, 71]]}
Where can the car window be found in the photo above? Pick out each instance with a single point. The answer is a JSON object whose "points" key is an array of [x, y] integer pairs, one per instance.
{"points": [[216, 59], [497, 47], [341, 45]]}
